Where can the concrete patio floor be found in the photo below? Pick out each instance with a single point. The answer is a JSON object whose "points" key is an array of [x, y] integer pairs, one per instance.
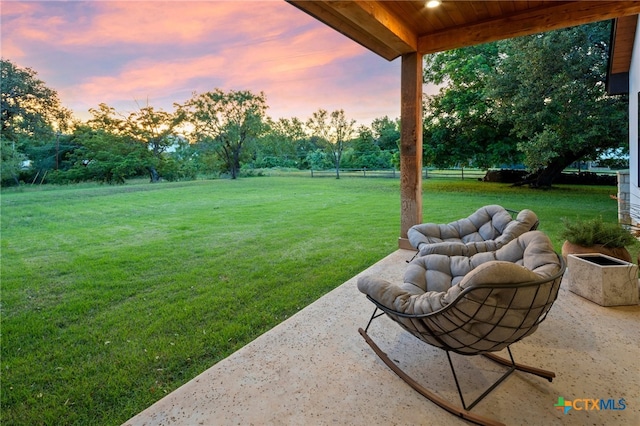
{"points": [[316, 369]]}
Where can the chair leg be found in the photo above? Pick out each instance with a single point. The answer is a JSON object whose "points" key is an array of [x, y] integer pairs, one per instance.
{"points": [[414, 256], [442, 403], [549, 375], [487, 391]]}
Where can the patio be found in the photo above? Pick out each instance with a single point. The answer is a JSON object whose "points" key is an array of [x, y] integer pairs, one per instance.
{"points": [[315, 369]]}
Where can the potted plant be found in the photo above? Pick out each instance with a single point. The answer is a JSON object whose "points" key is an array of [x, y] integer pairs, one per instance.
{"points": [[596, 236]]}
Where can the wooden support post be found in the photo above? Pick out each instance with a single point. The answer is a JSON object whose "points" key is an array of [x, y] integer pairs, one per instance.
{"points": [[410, 145]]}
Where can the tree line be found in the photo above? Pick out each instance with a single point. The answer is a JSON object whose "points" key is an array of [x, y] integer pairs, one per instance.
{"points": [[212, 133], [537, 101]]}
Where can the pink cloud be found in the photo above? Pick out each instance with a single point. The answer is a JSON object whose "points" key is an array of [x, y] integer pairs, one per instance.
{"points": [[180, 47], [292, 58], [144, 78], [10, 8], [9, 13], [104, 23]]}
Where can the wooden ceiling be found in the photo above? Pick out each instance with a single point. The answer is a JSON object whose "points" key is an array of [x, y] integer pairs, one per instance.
{"points": [[394, 28]]}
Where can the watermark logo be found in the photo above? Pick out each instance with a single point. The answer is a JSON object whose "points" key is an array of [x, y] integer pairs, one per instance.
{"points": [[563, 405], [589, 404]]}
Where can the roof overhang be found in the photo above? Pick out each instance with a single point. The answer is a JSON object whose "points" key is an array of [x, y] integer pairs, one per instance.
{"points": [[623, 34], [394, 28]]}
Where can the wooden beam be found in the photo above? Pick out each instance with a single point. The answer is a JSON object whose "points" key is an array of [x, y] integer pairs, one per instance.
{"points": [[410, 145], [366, 22], [530, 22], [376, 20]]}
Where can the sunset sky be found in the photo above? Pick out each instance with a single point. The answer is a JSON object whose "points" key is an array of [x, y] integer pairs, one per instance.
{"points": [[128, 53]]}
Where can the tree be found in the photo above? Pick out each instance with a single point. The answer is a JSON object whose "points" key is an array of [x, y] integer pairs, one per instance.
{"points": [[107, 151], [538, 99], [460, 127], [11, 161], [156, 129], [31, 115], [364, 152], [334, 130], [278, 146], [318, 160], [227, 121], [550, 90], [110, 151], [181, 163], [386, 133]]}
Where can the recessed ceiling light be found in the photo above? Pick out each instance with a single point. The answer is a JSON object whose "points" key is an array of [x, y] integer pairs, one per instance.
{"points": [[433, 3]]}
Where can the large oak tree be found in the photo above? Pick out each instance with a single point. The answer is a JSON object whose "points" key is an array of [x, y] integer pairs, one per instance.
{"points": [[550, 89], [460, 125], [539, 100]]}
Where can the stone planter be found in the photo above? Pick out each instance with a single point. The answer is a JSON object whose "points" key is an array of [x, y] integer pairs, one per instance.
{"points": [[603, 279]]}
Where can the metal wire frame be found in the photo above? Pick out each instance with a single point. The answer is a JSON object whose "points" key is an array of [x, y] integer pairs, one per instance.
{"points": [[453, 330]]}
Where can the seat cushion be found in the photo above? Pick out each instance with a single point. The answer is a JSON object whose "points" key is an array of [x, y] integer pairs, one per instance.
{"points": [[487, 229], [432, 282]]}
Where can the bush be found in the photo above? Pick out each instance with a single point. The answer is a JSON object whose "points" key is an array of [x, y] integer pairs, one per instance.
{"points": [[595, 231]]}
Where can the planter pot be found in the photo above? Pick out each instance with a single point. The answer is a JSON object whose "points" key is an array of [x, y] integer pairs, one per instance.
{"points": [[603, 279], [617, 252]]}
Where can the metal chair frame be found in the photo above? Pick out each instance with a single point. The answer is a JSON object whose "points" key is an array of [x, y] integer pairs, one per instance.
{"points": [[440, 335]]}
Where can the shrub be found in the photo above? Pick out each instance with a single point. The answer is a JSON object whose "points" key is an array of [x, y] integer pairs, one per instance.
{"points": [[595, 231]]}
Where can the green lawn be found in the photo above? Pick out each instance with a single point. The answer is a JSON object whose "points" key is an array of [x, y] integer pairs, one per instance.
{"points": [[113, 296]]}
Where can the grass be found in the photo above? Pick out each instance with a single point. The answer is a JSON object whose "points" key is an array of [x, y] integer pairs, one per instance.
{"points": [[113, 296]]}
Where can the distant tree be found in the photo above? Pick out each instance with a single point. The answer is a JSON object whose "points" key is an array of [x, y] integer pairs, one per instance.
{"points": [[50, 157], [106, 118], [364, 152], [278, 145], [153, 130], [181, 163], [31, 116], [294, 131], [550, 90], [104, 156], [227, 122], [363, 141], [157, 129], [11, 160], [334, 130], [111, 149], [306, 146], [386, 133], [319, 160]]}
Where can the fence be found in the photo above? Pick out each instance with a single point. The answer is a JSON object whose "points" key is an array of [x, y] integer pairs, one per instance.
{"points": [[427, 173], [392, 173], [388, 173]]}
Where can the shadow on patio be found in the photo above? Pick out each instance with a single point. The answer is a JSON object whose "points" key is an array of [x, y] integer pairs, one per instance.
{"points": [[316, 369]]}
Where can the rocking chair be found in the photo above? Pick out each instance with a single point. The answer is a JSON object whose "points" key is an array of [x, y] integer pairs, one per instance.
{"points": [[470, 306]]}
